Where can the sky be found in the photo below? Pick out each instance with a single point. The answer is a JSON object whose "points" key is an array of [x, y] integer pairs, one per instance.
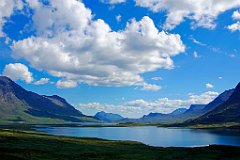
{"points": [[129, 57]]}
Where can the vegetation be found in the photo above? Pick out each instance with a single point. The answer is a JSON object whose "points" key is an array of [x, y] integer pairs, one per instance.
{"points": [[21, 145], [221, 125]]}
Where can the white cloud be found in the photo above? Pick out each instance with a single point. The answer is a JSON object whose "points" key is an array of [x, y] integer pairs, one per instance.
{"points": [[234, 27], [209, 86], [157, 78], [66, 84], [202, 13], [220, 77], [150, 87], [42, 81], [18, 71], [137, 108], [236, 15], [196, 41], [7, 8], [196, 55], [112, 1], [71, 45], [118, 18]]}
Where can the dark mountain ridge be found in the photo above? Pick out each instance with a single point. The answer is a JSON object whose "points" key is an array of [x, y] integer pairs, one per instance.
{"points": [[228, 111], [18, 103]]}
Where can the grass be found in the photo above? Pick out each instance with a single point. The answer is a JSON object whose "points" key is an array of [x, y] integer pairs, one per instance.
{"points": [[27, 145], [222, 125]]}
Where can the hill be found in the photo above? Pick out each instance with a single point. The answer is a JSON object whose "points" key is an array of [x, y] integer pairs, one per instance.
{"points": [[22, 106], [228, 111], [108, 117]]}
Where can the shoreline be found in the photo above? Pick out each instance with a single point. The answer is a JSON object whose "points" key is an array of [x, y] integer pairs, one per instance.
{"points": [[197, 126], [32, 145]]}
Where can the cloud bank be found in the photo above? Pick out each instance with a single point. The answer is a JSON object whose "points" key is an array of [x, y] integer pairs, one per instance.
{"points": [[70, 45], [202, 13], [136, 108]]}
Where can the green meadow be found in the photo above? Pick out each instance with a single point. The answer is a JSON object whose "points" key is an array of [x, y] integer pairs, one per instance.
{"points": [[29, 145]]}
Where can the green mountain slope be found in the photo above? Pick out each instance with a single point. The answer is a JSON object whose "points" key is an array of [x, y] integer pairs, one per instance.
{"points": [[20, 105]]}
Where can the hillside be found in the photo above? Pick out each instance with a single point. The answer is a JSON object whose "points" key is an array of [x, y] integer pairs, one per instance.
{"points": [[177, 116], [224, 108], [24, 146], [229, 111], [108, 117], [20, 105]]}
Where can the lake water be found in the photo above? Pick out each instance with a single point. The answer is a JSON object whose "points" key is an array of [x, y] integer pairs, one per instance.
{"points": [[153, 136]]}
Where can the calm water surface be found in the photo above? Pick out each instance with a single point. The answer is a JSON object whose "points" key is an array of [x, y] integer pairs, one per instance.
{"points": [[154, 136]]}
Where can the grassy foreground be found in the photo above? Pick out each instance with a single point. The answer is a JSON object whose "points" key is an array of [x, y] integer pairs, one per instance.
{"points": [[19, 145]]}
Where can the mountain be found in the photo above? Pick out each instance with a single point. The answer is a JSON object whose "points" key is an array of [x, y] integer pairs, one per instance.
{"points": [[179, 111], [218, 101], [228, 111], [177, 116], [195, 109], [181, 115], [20, 105], [108, 117], [153, 115], [224, 108]]}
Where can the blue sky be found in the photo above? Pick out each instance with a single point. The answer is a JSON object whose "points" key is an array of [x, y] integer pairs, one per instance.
{"points": [[129, 57]]}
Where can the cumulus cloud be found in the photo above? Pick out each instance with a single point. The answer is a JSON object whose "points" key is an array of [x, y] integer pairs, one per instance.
{"points": [[234, 27], [66, 84], [42, 81], [136, 108], [18, 71], [202, 13], [150, 87], [70, 45], [7, 8], [236, 15], [209, 86], [112, 1]]}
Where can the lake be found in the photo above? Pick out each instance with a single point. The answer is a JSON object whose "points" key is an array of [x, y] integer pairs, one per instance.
{"points": [[153, 136]]}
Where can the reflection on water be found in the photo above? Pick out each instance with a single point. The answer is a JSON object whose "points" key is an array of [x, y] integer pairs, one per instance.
{"points": [[154, 136]]}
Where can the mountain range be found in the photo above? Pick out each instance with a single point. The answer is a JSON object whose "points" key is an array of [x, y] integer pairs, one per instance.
{"points": [[214, 112], [224, 108], [22, 106], [227, 111]]}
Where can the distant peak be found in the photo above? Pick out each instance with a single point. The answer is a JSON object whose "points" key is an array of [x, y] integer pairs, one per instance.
{"points": [[154, 114], [101, 112], [56, 96]]}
